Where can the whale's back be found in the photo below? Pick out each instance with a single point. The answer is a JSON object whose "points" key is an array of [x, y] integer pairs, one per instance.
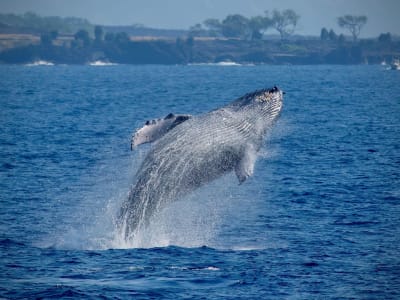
{"points": [[195, 152]]}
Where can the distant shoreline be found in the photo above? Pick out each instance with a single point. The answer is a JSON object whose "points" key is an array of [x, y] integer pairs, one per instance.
{"points": [[123, 49]]}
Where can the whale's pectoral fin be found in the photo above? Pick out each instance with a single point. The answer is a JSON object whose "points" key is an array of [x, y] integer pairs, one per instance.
{"points": [[245, 167], [154, 129]]}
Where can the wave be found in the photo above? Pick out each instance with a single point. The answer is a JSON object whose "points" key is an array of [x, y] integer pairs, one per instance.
{"points": [[100, 63], [40, 63], [222, 64]]}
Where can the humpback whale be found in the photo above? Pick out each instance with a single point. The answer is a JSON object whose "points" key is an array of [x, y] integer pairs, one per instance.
{"points": [[190, 151]]}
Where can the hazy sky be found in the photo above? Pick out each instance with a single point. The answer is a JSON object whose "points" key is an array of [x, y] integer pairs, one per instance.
{"points": [[383, 15]]}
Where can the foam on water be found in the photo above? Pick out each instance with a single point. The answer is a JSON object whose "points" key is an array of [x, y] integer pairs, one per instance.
{"points": [[197, 220], [40, 63], [193, 221], [100, 63]]}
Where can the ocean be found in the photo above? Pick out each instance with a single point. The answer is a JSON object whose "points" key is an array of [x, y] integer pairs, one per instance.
{"points": [[319, 219]]}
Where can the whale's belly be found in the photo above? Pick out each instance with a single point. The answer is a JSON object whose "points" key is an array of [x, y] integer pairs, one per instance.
{"points": [[192, 154], [188, 159]]}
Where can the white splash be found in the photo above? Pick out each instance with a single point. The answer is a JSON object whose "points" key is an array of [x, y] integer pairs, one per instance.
{"points": [[191, 222], [194, 221], [40, 63], [100, 63]]}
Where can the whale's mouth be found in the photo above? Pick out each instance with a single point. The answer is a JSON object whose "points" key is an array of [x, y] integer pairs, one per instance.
{"points": [[272, 94], [274, 90]]}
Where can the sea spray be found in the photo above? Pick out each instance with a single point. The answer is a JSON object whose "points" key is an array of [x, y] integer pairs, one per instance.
{"points": [[90, 222], [193, 221]]}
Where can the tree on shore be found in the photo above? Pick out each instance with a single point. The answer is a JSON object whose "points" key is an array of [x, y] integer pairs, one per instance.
{"points": [[258, 25], [353, 24], [33, 23], [83, 37], [238, 26], [213, 26], [284, 22], [341, 39], [332, 35], [121, 38], [254, 28], [109, 37], [98, 33], [324, 36], [196, 30], [235, 26], [385, 38]]}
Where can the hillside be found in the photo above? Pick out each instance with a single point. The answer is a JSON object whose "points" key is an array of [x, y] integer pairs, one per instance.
{"points": [[29, 37]]}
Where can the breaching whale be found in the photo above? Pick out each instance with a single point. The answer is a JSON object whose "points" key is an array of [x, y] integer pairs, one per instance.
{"points": [[190, 151]]}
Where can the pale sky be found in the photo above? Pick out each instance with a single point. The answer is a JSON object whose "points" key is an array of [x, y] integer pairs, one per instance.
{"points": [[383, 15]]}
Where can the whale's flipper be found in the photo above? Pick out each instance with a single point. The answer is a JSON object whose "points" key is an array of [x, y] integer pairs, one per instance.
{"points": [[154, 129], [245, 167]]}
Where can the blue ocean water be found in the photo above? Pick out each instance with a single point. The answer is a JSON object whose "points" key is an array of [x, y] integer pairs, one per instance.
{"points": [[319, 219]]}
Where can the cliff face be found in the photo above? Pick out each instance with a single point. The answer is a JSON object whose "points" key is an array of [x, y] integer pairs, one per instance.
{"points": [[67, 50]]}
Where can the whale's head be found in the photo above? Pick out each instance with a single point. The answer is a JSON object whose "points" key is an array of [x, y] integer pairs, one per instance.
{"points": [[272, 96], [268, 102], [265, 100], [263, 107], [264, 97]]}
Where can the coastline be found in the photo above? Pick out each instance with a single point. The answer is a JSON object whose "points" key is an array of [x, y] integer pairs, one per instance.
{"points": [[200, 51]]}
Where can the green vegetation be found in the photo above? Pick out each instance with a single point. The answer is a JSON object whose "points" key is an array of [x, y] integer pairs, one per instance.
{"points": [[254, 28], [33, 23], [269, 38], [285, 22], [353, 24]]}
